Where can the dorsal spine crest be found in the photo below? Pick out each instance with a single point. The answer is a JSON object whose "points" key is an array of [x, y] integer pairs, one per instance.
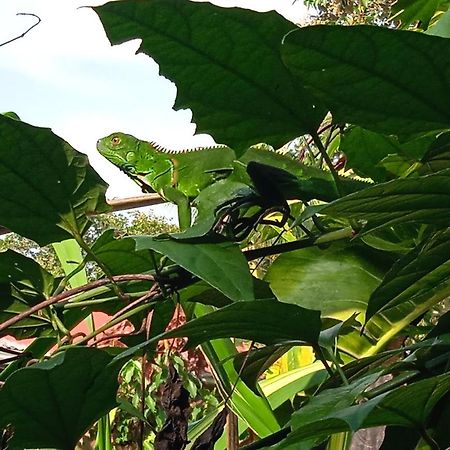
{"points": [[162, 149]]}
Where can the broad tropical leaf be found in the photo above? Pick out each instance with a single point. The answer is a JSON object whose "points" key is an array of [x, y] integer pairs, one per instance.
{"points": [[329, 412], [48, 187], [424, 199], [221, 265], [51, 404], [256, 321], [336, 280], [421, 274], [390, 81], [223, 61]]}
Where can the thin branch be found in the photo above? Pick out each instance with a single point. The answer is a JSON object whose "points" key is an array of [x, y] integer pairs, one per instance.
{"points": [[135, 202], [123, 314], [324, 154], [268, 440], [70, 293], [25, 32], [120, 205], [280, 248]]}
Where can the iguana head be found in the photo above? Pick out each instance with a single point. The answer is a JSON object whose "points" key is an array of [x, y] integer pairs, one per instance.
{"points": [[121, 149]]}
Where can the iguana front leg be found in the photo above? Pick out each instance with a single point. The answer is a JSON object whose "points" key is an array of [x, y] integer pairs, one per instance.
{"points": [[184, 209]]}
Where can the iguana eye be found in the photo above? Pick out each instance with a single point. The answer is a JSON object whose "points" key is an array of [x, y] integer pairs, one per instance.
{"points": [[115, 140]]}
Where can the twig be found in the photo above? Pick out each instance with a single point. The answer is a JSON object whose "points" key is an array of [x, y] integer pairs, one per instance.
{"points": [[70, 293], [268, 440], [280, 248], [123, 314], [25, 32], [329, 163], [119, 205]]}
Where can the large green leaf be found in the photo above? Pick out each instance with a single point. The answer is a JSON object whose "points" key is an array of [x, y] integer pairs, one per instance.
{"points": [[120, 255], [421, 274], [226, 64], [365, 149], [221, 265], [337, 281], [53, 403], [48, 187], [424, 199], [256, 321], [386, 80], [407, 406]]}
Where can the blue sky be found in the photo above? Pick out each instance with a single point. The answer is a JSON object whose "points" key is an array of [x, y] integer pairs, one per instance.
{"points": [[65, 75]]}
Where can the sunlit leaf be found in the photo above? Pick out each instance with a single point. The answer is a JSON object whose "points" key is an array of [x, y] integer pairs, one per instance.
{"points": [[337, 281]]}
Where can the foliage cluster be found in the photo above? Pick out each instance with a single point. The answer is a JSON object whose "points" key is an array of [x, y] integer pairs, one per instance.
{"points": [[363, 251]]}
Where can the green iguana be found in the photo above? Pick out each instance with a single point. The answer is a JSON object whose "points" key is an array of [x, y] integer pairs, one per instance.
{"points": [[180, 176]]}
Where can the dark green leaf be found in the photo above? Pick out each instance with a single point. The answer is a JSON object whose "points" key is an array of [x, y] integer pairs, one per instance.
{"points": [[386, 80], [53, 403], [48, 187], [23, 279], [251, 364], [365, 149], [203, 293], [438, 155], [424, 199], [30, 327], [23, 283], [223, 61], [120, 256], [256, 321], [421, 274], [221, 265], [407, 406]]}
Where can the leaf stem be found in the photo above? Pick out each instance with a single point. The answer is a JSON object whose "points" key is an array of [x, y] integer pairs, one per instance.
{"points": [[65, 295], [428, 439], [100, 263], [329, 163]]}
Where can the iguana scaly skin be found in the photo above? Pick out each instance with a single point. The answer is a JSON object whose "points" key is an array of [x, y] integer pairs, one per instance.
{"points": [[177, 176], [180, 176]]}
